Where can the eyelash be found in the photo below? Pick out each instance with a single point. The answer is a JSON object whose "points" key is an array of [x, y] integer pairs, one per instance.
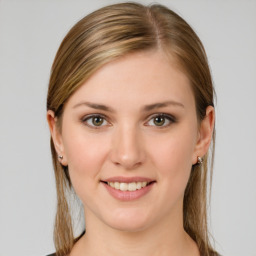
{"points": [[87, 118], [171, 119], [167, 117]]}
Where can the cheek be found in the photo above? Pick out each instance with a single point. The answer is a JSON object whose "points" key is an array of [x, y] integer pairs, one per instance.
{"points": [[172, 155], [85, 156]]}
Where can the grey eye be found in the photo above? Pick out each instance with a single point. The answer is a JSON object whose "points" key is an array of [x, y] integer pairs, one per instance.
{"points": [[95, 121], [161, 120]]}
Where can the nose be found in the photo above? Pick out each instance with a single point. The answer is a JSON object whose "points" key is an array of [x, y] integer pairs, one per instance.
{"points": [[127, 148]]}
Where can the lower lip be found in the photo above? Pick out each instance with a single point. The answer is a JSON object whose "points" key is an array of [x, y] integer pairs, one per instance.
{"points": [[128, 195]]}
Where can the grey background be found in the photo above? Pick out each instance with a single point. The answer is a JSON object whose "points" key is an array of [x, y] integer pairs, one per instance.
{"points": [[30, 33]]}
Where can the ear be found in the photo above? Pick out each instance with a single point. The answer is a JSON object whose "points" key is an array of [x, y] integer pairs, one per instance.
{"points": [[205, 134], [56, 136]]}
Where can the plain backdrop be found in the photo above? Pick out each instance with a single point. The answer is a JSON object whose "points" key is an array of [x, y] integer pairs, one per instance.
{"points": [[30, 33]]}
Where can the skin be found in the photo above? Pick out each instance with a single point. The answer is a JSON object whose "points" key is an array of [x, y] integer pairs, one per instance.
{"points": [[130, 143]]}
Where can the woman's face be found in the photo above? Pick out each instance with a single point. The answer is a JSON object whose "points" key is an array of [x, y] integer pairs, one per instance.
{"points": [[129, 137]]}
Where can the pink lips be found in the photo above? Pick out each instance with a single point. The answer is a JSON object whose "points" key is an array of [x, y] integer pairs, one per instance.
{"points": [[128, 195], [127, 179]]}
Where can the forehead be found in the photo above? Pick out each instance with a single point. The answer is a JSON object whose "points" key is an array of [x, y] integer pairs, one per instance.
{"points": [[143, 77]]}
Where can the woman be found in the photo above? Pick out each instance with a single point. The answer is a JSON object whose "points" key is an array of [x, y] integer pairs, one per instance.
{"points": [[131, 114]]}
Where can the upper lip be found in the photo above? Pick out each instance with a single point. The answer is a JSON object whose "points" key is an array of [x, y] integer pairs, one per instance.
{"points": [[127, 179]]}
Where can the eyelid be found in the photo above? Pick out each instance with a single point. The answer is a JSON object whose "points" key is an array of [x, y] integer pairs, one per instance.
{"points": [[85, 118], [170, 117]]}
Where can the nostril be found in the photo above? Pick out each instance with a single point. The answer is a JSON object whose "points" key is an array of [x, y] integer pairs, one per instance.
{"points": [[128, 163], [127, 149]]}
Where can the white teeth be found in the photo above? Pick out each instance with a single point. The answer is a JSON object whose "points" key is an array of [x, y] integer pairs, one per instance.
{"points": [[117, 185], [123, 186], [138, 185], [132, 186], [128, 186]]}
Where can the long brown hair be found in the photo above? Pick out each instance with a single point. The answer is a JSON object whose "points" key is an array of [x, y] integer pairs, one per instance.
{"points": [[101, 37]]}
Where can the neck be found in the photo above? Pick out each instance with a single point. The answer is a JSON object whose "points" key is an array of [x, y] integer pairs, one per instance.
{"points": [[102, 240]]}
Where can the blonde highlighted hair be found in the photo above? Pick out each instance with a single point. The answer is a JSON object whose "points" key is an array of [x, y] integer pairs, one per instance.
{"points": [[103, 36]]}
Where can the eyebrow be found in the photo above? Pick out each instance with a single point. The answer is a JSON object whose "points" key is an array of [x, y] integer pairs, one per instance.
{"points": [[145, 108], [162, 104], [95, 106]]}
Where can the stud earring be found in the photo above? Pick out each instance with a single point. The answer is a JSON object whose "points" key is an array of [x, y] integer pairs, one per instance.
{"points": [[199, 160], [60, 157]]}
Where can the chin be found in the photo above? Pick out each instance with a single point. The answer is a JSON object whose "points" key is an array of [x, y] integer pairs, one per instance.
{"points": [[128, 222], [129, 227]]}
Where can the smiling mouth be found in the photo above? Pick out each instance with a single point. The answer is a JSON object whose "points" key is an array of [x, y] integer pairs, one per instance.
{"points": [[131, 186]]}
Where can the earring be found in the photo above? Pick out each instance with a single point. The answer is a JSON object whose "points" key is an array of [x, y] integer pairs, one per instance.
{"points": [[60, 157], [199, 160]]}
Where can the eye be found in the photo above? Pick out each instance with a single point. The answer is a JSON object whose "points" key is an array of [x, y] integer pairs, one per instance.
{"points": [[95, 121], [161, 120]]}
